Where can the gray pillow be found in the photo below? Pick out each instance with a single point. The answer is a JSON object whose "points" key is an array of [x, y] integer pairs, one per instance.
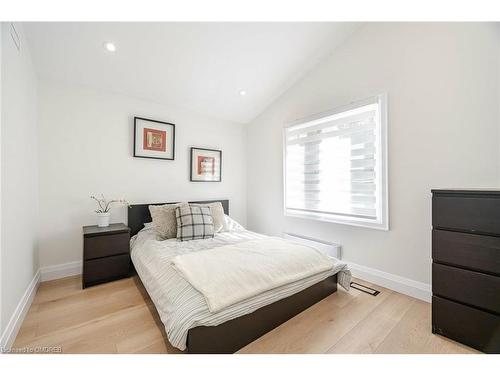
{"points": [[164, 220]]}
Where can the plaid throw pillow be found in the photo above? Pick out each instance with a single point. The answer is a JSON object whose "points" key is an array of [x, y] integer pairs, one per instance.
{"points": [[194, 223]]}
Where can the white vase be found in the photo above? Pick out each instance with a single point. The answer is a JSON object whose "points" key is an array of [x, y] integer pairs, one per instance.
{"points": [[103, 219]]}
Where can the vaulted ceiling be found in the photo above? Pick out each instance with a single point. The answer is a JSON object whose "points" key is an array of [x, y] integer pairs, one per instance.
{"points": [[203, 67]]}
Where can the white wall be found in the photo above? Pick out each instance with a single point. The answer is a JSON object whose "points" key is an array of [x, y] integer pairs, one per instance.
{"points": [[86, 146], [19, 176], [442, 84]]}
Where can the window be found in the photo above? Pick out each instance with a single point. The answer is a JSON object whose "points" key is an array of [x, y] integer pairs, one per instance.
{"points": [[336, 166]]}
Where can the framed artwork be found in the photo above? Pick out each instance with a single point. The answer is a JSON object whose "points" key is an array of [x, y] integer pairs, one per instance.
{"points": [[154, 139], [206, 165]]}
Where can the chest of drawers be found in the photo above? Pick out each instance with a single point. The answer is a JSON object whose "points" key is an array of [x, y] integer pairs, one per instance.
{"points": [[466, 267]]}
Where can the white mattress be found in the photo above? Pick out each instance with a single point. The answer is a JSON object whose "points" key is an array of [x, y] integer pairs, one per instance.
{"points": [[180, 306]]}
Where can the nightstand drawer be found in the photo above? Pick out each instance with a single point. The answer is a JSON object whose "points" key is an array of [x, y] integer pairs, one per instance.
{"points": [[469, 287], [103, 246], [105, 269]]}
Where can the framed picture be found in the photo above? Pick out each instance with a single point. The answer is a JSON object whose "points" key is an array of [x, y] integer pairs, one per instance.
{"points": [[154, 139], [206, 165]]}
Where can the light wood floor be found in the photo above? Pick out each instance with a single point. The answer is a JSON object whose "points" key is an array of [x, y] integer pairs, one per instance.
{"points": [[119, 317]]}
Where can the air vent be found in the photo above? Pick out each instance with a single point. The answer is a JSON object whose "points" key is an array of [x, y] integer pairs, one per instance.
{"points": [[15, 37]]}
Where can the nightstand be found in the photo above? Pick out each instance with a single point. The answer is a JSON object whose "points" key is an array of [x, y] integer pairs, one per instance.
{"points": [[106, 253]]}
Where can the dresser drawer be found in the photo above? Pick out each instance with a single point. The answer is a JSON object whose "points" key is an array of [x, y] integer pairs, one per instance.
{"points": [[473, 213], [476, 252], [475, 328], [473, 288], [102, 246], [104, 269]]}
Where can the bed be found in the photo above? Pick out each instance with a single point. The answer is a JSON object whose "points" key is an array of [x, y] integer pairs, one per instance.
{"points": [[189, 323]]}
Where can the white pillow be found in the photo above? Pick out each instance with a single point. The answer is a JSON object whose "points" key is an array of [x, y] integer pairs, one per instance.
{"points": [[164, 220], [232, 224], [217, 212]]}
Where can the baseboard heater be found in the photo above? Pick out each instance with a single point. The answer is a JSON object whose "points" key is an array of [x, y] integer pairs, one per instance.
{"points": [[329, 248]]}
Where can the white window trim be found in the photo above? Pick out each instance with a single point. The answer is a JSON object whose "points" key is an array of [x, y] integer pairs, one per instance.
{"points": [[382, 175]]}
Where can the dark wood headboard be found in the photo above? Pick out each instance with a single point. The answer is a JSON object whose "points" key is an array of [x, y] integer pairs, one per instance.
{"points": [[138, 214]]}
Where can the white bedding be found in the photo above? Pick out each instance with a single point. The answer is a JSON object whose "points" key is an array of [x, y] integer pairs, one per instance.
{"points": [[180, 306]]}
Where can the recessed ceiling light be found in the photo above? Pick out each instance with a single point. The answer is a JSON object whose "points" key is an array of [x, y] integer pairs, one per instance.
{"points": [[243, 92], [110, 47]]}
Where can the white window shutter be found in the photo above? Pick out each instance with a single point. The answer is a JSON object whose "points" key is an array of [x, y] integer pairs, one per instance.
{"points": [[335, 166]]}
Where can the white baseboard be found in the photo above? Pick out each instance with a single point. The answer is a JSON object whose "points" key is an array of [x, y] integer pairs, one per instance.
{"points": [[17, 318], [43, 274], [387, 280], [61, 270]]}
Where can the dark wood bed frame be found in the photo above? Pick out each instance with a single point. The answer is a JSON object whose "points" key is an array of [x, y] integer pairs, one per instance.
{"points": [[234, 334]]}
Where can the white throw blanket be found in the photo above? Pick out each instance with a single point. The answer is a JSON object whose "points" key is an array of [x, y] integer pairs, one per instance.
{"points": [[229, 274]]}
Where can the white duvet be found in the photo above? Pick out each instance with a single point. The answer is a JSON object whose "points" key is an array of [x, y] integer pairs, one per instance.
{"points": [[181, 306]]}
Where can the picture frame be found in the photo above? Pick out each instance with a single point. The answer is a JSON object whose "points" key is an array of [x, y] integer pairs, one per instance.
{"points": [[205, 165], [154, 139]]}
